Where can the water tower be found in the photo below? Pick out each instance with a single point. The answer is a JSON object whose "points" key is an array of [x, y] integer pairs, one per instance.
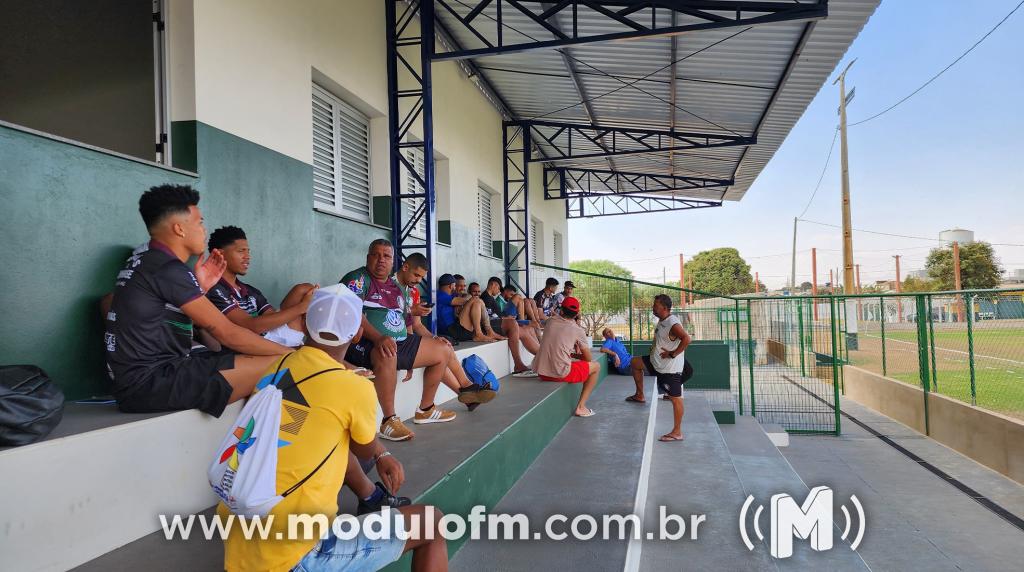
{"points": [[957, 235]]}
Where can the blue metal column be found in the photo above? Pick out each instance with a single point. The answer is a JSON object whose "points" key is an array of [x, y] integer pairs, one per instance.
{"points": [[402, 67], [515, 204]]}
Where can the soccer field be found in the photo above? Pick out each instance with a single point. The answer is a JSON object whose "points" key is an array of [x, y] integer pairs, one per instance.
{"points": [[998, 362]]}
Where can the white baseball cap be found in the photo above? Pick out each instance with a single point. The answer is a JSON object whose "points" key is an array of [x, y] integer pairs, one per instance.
{"points": [[334, 310]]}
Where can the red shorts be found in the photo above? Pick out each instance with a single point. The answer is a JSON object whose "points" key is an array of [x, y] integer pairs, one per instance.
{"points": [[579, 371]]}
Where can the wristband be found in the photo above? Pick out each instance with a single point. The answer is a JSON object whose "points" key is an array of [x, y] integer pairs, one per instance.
{"points": [[377, 458]]}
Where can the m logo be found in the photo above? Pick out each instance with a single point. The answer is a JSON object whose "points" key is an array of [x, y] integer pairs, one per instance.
{"points": [[810, 521]]}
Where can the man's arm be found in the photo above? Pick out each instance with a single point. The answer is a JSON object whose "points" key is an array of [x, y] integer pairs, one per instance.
{"points": [[388, 467], [205, 315], [270, 319], [680, 334], [386, 344]]}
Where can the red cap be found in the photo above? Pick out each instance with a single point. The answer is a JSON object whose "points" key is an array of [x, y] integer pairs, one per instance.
{"points": [[571, 304]]}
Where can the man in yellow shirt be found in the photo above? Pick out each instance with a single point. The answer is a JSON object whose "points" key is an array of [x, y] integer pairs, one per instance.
{"points": [[328, 418]]}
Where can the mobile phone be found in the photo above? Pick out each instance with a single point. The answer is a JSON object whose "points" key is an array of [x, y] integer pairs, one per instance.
{"points": [[427, 304]]}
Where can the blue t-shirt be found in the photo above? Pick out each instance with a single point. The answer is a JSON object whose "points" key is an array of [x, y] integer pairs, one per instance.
{"points": [[445, 311], [619, 349]]}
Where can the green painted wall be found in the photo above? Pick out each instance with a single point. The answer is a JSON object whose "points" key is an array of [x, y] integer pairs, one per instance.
{"points": [[70, 218]]}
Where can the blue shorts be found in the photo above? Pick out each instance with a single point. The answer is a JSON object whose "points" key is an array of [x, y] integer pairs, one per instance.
{"points": [[334, 554]]}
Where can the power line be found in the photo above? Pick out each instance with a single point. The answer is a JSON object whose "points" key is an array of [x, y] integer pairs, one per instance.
{"points": [[904, 235], [944, 70], [823, 169]]}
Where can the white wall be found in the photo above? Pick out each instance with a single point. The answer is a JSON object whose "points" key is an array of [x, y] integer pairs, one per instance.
{"points": [[254, 61]]}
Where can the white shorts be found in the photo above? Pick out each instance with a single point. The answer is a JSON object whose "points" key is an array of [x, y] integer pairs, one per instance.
{"points": [[285, 336]]}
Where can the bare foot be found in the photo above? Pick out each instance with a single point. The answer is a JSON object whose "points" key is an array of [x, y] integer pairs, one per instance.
{"points": [[481, 338]]}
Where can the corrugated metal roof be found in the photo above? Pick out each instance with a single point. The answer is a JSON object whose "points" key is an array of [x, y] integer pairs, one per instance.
{"points": [[724, 78]]}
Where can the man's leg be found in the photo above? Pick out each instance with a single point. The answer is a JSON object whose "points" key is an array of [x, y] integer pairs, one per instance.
{"points": [[470, 319], [246, 374], [356, 479], [677, 416], [428, 357], [637, 366], [530, 338], [431, 349], [293, 297], [428, 546], [588, 388], [385, 371], [511, 329]]}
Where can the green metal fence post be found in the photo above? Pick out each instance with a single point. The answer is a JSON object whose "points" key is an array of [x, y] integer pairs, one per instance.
{"points": [[970, 344], [800, 323], [630, 286], [739, 356], [931, 343], [750, 354], [835, 365], [881, 317], [922, 356]]}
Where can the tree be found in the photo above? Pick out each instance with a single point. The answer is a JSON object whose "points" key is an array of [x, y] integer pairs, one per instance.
{"points": [[913, 284], [602, 299], [806, 286], [978, 267], [720, 271]]}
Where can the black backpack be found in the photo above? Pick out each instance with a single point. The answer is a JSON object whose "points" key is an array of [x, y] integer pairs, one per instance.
{"points": [[31, 405]]}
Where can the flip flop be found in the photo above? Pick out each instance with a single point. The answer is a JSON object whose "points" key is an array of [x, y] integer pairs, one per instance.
{"points": [[635, 400], [525, 373], [669, 438], [589, 413]]}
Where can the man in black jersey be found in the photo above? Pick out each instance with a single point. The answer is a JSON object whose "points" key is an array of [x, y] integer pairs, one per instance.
{"points": [[156, 301]]}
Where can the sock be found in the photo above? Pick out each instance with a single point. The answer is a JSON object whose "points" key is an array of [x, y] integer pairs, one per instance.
{"points": [[427, 409], [378, 494]]}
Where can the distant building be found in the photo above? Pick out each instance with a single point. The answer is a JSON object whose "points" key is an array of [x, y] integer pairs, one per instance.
{"points": [[919, 274], [960, 235]]}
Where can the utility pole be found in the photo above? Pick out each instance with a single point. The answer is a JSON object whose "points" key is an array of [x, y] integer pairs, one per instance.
{"points": [[831, 283], [814, 280], [844, 99], [899, 300], [792, 270], [682, 283], [757, 287], [957, 285]]}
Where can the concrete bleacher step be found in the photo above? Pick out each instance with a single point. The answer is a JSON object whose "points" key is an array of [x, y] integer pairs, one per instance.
{"points": [[695, 477], [776, 434], [591, 467], [764, 471], [472, 460], [101, 479]]}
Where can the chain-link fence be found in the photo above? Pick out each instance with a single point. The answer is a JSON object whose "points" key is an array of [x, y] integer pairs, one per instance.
{"points": [[785, 353], [964, 345]]}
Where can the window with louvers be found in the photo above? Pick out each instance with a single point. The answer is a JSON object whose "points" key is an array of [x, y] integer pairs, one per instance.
{"points": [[341, 157], [485, 235], [412, 185]]}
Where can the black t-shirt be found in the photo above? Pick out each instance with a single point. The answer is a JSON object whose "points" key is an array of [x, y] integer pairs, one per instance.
{"points": [[247, 297], [145, 326], [493, 309]]}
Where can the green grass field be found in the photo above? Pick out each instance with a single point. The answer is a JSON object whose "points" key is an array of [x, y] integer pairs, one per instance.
{"points": [[998, 363]]}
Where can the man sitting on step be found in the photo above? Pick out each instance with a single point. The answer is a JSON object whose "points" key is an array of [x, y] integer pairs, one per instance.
{"points": [[328, 419], [507, 325], [388, 346], [156, 301], [565, 355], [244, 304]]}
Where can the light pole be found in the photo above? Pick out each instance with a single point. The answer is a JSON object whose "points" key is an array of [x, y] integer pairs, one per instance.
{"points": [[851, 317]]}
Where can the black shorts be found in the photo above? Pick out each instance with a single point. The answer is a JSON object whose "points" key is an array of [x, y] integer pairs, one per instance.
{"points": [[194, 382], [496, 325], [669, 383], [459, 333], [359, 354]]}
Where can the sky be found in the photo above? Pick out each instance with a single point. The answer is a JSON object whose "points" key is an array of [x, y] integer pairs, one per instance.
{"points": [[949, 157]]}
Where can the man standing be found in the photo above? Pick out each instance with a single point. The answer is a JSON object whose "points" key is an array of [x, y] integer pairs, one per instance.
{"points": [[156, 302], [666, 362], [555, 361], [387, 345]]}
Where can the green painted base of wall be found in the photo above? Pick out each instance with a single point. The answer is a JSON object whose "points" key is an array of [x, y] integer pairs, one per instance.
{"points": [[725, 417], [487, 475]]}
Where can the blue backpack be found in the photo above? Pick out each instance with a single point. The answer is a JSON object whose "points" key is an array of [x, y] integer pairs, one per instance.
{"points": [[478, 372]]}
